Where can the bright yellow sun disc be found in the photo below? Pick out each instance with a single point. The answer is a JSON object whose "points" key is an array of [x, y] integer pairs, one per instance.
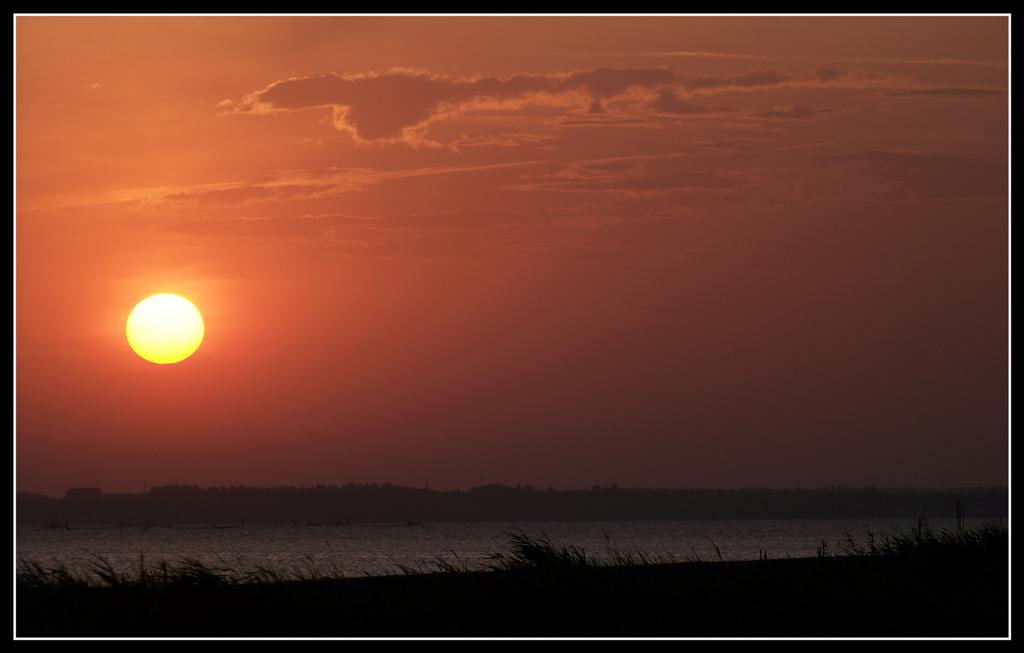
{"points": [[164, 328]]}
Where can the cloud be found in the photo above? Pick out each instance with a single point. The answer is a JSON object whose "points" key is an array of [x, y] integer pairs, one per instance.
{"points": [[988, 63], [690, 54], [422, 235], [384, 106], [401, 104], [606, 122], [674, 54], [508, 139], [283, 186], [395, 104], [828, 74], [668, 101], [248, 193], [608, 82], [951, 93], [398, 105], [748, 80], [305, 227], [638, 175], [299, 184], [795, 112]]}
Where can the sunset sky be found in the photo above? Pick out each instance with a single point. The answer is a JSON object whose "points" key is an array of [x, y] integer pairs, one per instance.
{"points": [[654, 251]]}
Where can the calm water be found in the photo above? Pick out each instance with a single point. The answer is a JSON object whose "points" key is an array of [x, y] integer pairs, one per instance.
{"points": [[376, 549]]}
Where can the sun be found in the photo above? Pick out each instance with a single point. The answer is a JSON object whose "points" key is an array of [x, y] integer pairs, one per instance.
{"points": [[165, 328]]}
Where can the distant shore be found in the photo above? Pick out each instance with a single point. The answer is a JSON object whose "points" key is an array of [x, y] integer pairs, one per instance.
{"points": [[950, 585], [395, 504]]}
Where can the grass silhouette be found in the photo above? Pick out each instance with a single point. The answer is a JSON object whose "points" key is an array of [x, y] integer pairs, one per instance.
{"points": [[916, 584], [524, 551]]}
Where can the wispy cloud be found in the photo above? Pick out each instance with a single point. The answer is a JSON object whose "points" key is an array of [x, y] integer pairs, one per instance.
{"points": [[794, 112], [674, 54], [745, 56], [950, 92], [985, 63], [400, 104], [638, 175], [290, 185]]}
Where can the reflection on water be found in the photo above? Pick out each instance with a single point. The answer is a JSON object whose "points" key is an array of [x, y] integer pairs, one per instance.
{"points": [[373, 549]]}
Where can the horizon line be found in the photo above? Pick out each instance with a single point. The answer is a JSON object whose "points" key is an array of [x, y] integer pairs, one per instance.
{"points": [[520, 486]]}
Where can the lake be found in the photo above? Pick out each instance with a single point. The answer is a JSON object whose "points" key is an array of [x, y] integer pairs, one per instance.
{"points": [[376, 549]]}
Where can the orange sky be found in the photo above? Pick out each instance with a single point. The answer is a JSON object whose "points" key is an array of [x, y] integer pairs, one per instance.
{"points": [[686, 251]]}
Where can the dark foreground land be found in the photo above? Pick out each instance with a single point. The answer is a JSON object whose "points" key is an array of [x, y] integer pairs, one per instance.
{"points": [[918, 586]]}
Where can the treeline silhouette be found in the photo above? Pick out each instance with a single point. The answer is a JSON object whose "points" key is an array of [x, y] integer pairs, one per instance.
{"points": [[324, 504]]}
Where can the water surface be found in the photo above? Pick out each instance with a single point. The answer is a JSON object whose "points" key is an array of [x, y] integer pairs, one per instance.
{"points": [[374, 549]]}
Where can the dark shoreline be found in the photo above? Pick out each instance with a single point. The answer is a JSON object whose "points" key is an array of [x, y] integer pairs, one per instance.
{"points": [[940, 593], [395, 504]]}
